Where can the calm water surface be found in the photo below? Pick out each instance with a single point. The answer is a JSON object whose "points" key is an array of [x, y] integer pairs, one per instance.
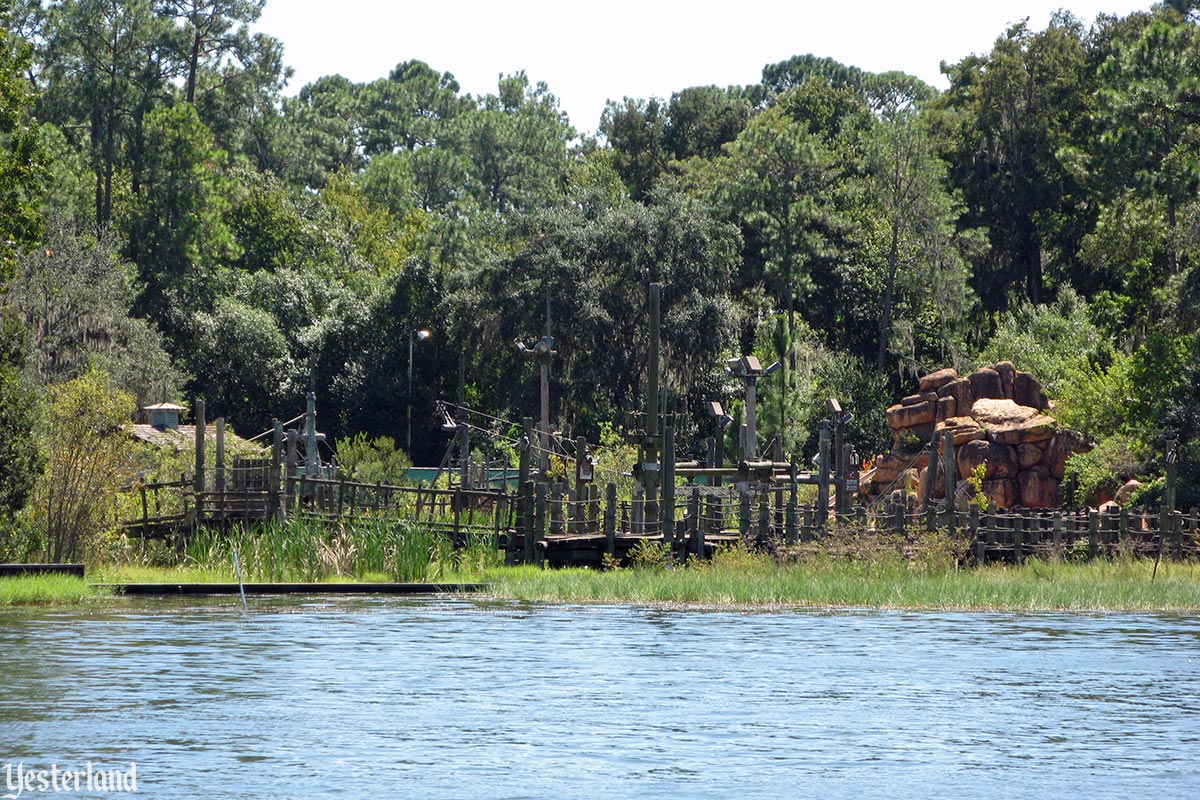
{"points": [[384, 698]]}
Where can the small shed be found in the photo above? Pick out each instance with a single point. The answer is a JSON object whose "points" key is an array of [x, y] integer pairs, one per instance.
{"points": [[159, 425]]}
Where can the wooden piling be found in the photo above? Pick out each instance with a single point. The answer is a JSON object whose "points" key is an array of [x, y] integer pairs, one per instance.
{"points": [[529, 512], [539, 525], [610, 519], [668, 480], [1093, 534], [744, 514], [199, 478], [823, 474]]}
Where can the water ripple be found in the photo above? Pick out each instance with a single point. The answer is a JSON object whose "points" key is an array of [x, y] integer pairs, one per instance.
{"points": [[449, 698]]}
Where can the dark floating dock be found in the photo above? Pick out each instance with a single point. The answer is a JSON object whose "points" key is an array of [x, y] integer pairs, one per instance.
{"points": [[17, 570], [201, 589]]}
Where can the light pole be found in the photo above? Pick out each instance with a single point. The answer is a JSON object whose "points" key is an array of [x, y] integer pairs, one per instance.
{"points": [[413, 336], [544, 352], [750, 370]]}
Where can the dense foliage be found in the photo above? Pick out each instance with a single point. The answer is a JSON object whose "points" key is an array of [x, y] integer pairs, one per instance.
{"points": [[172, 216]]}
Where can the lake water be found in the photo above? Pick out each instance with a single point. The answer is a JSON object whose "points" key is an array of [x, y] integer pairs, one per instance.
{"points": [[390, 698]]}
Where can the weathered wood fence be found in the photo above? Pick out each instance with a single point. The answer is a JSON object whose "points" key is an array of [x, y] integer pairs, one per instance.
{"points": [[688, 512], [562, 525]]}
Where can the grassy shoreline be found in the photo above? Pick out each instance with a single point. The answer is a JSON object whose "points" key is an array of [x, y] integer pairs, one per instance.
{"points": [[751, 582], [1034, 586]]}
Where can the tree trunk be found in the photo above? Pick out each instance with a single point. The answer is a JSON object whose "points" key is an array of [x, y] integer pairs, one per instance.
{"points": [[885, 323], [193, 68]]}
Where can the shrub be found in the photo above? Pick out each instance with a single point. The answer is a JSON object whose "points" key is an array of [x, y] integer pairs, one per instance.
{"points": [[373, 461], [89, 457]]}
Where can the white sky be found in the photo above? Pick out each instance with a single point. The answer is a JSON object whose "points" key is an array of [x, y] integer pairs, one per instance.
{"points": [[589, 53]]}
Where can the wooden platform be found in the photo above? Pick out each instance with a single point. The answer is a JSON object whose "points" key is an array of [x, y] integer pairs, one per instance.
{"points": [[201, 589], [589, 550]]}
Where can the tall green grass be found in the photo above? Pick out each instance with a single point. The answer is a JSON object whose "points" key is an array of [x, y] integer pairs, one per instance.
{"points": [[57, 590], [306, 550], [742, 578]]}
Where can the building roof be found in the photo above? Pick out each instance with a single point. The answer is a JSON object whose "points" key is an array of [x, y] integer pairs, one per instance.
{"points": [[181, 438]]}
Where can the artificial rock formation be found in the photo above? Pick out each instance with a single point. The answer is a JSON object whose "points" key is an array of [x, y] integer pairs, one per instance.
{"points": [[999, 419]]}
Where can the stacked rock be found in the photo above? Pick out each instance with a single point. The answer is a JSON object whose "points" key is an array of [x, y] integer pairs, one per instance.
{"points": [[997, 418]]}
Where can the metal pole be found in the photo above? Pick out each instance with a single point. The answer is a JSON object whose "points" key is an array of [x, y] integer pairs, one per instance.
{"points": [[544, 369], [408, 429], [652, 393]]}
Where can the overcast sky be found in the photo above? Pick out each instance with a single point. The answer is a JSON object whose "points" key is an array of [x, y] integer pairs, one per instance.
{"points": [[589, 53]]}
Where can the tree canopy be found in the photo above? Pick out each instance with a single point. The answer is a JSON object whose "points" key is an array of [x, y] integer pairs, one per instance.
{"points": [[164, 203]]}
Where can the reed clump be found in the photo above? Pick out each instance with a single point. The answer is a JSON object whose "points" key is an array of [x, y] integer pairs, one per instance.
{"points": [[309, 550]]}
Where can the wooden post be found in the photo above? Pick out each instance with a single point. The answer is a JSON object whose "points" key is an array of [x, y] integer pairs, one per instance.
{"points": [[650, 449], [668, 480], [793, 507], [610, 519], [1018, 537], [554, 506], [289, 487], [991, 525], [464, 455], [697, 526], [524, 487], [198, 479], [949, 475], [276, 464], [841, 459], [973, 522], [637, 513], [458, 504], [221, 469], [1093, 530], [145, 512], [1171, 466], [539, 524], [527, 514], [1176, 534], [744, 514], [764, 518], [931, 473], [1122, 528], [823, 474]]}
